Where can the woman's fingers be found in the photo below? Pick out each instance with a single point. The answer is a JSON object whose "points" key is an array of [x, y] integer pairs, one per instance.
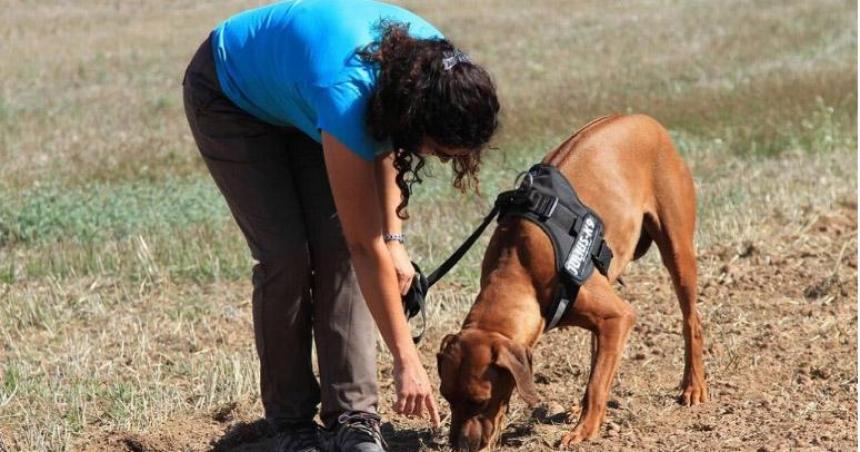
{"points": [[404, 287], [415, 404], [404, 276], [405, 284], [434, 411], [419, 402], [409, 405], [400, 404]]}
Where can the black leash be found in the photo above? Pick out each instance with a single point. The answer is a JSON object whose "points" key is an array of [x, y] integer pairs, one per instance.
{"points": [[463, 249], [413, 301]]}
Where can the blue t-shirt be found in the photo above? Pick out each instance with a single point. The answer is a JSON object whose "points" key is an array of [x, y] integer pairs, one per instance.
{"points": [[294, 63]]}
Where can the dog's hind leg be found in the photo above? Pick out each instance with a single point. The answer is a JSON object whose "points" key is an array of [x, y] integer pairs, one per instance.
{"points": [[673, 231], [599, 309], [680, 259]]}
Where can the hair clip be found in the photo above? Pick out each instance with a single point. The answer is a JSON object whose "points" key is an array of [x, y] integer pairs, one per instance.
{"points": [[452, 59]]}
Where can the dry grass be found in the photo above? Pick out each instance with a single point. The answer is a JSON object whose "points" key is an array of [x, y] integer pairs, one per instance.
{"points": [[123, 293]]}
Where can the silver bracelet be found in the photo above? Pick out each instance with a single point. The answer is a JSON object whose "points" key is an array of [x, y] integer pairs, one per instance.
{"points": [[393, 237]]}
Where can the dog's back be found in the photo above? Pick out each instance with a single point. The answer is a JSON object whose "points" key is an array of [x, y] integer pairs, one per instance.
{"points": [[627, 169]]}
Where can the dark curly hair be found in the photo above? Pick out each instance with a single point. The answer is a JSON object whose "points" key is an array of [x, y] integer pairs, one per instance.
{"points": [[417, 98]]}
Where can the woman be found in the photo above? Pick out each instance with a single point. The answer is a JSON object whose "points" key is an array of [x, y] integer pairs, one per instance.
{"points": [[314, 118]]}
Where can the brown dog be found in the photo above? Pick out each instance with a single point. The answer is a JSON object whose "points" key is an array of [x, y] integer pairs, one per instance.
{"points": [[626, 169]]}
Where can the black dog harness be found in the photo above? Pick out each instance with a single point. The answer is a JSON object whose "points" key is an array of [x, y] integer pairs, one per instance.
{"points": [[546, 198]]}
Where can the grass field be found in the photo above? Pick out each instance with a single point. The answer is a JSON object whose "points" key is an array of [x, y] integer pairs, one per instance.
{"points": [[124, 284]]}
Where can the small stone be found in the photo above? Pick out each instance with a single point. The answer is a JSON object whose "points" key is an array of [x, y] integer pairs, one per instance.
{"points": [[542, 379], [612, 429], [820, 373], [550, 413], [555, 408], [225, 412], [747, 250]]}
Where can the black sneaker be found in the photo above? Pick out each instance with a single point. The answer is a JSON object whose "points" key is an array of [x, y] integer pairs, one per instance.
{"points": [[300, 437], [357, 432]]}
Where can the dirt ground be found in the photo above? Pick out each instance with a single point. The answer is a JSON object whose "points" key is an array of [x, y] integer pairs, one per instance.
{"points": [[780, 325], [125, 319]]}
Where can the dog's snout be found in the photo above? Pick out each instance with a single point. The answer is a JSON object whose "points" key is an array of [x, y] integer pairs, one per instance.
{"points": [[471, 437]]}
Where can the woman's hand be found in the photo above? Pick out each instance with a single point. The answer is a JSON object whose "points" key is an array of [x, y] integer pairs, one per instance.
{"points": [[402, 265], [414, 393]]}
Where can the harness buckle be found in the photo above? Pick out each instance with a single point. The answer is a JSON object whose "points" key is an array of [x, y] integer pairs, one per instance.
{"points": [[543, 205], [511, 198]]}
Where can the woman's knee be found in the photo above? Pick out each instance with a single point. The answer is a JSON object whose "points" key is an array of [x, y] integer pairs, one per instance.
{"points": [[282, 272]]}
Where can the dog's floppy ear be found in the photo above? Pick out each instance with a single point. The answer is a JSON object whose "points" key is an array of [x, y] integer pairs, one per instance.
{"points": [[517, 359], [446, 342]]}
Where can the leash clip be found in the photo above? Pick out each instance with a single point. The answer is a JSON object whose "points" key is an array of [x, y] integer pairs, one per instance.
{"points": [[519, 181]]}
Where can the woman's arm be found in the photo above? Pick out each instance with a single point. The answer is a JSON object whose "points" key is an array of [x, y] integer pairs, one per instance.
{"points": [[354, 188], [389, 198], [389, 193]]}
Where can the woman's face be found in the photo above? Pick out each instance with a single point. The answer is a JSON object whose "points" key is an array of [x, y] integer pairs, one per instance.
{"points": [[430, 147]]}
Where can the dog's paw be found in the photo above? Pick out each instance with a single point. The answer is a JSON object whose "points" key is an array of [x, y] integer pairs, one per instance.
{"points": [[580, 433], [695, 393]]}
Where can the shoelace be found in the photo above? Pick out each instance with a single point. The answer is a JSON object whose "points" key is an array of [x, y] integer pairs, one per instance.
{"points": [[362, 423], [301, 437]]}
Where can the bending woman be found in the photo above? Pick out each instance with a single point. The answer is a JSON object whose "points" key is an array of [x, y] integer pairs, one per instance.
{"points": [[314, 118]]}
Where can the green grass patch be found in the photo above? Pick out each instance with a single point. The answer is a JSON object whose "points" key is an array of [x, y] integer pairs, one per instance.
{"points": [[97, 212], [145, 231]]}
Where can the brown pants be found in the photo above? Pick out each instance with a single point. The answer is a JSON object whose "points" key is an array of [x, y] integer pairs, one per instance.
{"points": [[275, 183]]}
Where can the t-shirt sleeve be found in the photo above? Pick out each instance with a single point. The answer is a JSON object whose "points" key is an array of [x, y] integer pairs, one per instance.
{"points": [[341, 112]]}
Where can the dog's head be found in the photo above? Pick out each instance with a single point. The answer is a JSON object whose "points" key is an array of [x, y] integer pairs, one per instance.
{"points": [[479, 370]]}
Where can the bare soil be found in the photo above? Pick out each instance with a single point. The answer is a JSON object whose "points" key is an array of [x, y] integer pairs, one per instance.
{"points": [[780, 320]]}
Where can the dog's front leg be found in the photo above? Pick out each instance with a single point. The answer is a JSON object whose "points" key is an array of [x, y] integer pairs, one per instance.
{"points": [[610, 318]]}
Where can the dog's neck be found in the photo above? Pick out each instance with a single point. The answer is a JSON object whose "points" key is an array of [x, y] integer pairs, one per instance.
{"points": [[522, 322], [516, 281]]}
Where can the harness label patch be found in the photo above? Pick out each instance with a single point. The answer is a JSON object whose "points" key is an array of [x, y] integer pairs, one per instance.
{"points": [[581, 251]]}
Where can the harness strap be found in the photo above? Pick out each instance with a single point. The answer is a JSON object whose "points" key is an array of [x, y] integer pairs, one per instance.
{"points": [[602, 258], [561, 304]]}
